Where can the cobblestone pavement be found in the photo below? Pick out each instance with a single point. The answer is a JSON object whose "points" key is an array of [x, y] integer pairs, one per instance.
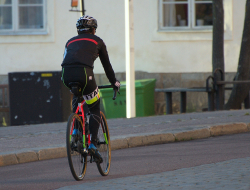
{"points": [[228, 175]]}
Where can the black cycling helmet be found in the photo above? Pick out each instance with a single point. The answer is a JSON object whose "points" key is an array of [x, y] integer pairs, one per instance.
{"points": [[86, 23]]}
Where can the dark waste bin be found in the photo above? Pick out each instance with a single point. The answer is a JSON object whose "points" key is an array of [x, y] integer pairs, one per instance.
{"points": [[38, 97], [144, 99]]}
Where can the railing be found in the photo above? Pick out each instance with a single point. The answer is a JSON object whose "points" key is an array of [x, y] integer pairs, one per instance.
{"points": [[215, 93], [183, 97], [219, 87], [4, 89]]}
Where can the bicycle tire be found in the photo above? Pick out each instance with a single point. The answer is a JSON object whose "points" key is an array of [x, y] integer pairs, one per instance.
{"points": [[104, 146], [76, 159]]}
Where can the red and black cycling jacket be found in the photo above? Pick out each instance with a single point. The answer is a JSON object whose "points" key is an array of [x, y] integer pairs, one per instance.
{"points": [[82, 51]]}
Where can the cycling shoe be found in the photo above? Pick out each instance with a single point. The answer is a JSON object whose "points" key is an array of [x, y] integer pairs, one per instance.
{"points": [[95, 153]]}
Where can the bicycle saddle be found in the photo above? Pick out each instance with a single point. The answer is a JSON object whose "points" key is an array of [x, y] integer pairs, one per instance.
{"points": [[75, 88]]}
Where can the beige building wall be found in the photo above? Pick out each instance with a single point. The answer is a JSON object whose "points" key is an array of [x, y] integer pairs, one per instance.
{"points": [[155, 51], [165, 52], [40, 52]]}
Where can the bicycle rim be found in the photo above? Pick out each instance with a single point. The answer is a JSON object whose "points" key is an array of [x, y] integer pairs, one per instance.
{"points": [[103, 146], [76, 159]]}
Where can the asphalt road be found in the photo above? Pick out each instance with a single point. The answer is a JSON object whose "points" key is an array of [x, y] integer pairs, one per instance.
{"points": [[53, 174]]}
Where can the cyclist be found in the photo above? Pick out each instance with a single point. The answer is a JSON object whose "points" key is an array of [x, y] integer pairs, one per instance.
{"points": [[77, 66]]}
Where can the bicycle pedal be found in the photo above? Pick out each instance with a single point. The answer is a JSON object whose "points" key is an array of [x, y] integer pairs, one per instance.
{"points": [[95, 157]]}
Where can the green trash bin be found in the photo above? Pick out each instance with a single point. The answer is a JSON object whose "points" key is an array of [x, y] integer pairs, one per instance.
{"points": [[144, 99]]}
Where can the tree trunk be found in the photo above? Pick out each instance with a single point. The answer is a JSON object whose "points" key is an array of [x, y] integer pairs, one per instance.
{"points": [[240, 91], [218, 48]]}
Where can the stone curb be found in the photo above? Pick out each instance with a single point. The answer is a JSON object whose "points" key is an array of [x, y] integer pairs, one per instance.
{"points": [[51, 153], [229, 129], [191, 135], [27, 157]]}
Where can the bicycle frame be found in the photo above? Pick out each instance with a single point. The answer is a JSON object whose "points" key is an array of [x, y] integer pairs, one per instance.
{"points": [[80, 112]]}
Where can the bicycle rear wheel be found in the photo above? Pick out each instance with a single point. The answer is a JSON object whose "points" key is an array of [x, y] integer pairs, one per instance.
{"points": [[104, 146], [74, 144]]}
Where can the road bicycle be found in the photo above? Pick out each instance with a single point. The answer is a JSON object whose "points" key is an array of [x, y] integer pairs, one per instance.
{"points": [[77, 143]]}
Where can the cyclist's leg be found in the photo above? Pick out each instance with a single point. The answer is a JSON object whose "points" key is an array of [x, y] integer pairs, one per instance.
{"points": [[74, 74], [94, 120], [92, 98]]}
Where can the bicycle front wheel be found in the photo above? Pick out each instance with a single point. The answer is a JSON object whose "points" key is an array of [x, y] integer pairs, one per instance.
{"points": [[104, 146], [74, 144]]}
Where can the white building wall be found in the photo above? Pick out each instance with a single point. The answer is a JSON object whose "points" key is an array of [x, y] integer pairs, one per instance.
{"points": [[40, 52], [165, 52], [155, 52]]}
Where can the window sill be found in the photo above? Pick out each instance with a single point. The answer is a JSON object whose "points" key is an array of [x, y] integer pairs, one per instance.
{"points": [[27, 37], [186, 34], [184, 30], [11, 33]]}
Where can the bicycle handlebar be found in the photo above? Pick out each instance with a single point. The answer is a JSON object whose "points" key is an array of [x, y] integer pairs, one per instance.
{"points": [[109, 86]]}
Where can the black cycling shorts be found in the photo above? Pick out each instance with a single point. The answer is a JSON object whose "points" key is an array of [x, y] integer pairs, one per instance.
{"points": [[85, 76]]}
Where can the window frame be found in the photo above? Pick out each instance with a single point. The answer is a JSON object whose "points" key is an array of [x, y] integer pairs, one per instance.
{"points": [[15, 21], [191, 16]]}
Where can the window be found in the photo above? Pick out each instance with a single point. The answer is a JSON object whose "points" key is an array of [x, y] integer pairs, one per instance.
{"points": [[22, 16], [185, 14]]}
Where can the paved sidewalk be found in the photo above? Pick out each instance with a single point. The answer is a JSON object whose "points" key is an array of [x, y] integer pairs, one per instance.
{"points": [[228, 175], [20, 144]]}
